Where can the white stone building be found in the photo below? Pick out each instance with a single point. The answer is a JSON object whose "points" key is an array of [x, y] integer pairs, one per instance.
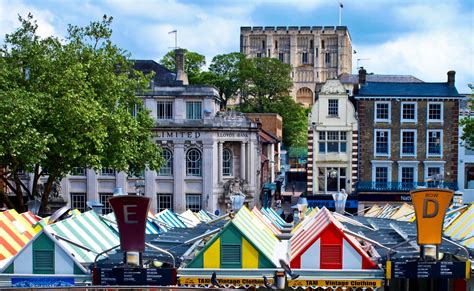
{"points": [[315, 53], [332, 141], [466, 158]]}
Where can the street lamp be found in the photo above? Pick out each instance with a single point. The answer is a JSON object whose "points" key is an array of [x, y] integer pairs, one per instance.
{"points": [[237, 201], [302, 205], [340, 201]]}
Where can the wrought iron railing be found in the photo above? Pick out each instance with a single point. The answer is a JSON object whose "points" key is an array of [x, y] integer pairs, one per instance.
{"points": [[403, 186]]}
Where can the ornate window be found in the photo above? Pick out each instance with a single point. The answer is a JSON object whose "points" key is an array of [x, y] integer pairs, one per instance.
{"points": [[333, 107], [167, 168], [194, 163], [227, 161]]}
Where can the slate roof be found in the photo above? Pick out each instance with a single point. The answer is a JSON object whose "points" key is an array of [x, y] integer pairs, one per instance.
{"points": [[163, 76], [354, 78], [391, 89]]}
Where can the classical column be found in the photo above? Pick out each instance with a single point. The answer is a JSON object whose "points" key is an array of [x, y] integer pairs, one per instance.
{"points": [[242, 161], [219, 161], [271, 162], [92, 191], [179, 172], [150, 188], [121, 181], [207, 181], [252, 160]]}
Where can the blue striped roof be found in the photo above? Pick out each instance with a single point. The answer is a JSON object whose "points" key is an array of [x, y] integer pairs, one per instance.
{"points": [[169, 217], [273, 216]]}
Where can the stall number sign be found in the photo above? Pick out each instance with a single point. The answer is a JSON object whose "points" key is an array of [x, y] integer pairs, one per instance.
{"points": [[430, 208], [432, 270]]}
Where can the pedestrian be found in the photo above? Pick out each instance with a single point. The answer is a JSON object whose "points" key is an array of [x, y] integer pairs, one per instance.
{"points": [[282, 215], [293, 187]]}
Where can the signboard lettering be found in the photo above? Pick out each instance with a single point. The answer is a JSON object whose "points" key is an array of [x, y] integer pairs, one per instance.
{"points": [[176, 134], [434, 270], [134, 276], [232, 134], [430, 208]]}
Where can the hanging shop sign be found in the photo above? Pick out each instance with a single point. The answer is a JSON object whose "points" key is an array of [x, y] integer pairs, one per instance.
{"points": [[29, 282], [134, 276], [131, 213], [335, 283], [430, 209], [432, 270]]}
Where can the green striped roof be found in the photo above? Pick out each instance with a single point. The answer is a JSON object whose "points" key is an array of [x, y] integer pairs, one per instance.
{"points": [[85, 229], [258, 233]]}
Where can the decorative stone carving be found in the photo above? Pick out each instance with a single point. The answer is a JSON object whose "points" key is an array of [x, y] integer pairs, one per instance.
{"points": [[230, 118], [333, 87], [232, 187]]}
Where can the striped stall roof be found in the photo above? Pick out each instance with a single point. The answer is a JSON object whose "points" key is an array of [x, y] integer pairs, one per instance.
{"points": [[406, 212], [312, 231], [309, 217], [204, 216], [462, 229], [151, 228], [273, 216], [15, 232], [189, 218], [266, 221], [373, 211], [86, 229], [33, 219], [169, 217], [259, 234]]}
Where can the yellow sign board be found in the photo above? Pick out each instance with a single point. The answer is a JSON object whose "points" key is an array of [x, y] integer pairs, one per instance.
{"points": [[430, 208], [223, 281], [335, 283]]}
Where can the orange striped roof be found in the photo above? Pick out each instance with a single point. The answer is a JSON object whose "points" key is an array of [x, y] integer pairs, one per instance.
{"points": [[15, 232]]}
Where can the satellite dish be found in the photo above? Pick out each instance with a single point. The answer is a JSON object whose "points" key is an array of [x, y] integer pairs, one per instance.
{"points": [[58, 214]]}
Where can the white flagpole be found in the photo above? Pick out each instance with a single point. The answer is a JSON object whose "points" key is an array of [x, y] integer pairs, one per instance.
{"points": [[340, 12], [175, 38]]}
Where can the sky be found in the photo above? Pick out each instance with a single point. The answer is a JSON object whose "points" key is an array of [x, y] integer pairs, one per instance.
{"points": [[421, 38]]}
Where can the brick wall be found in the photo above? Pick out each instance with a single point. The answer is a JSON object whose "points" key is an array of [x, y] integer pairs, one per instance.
{"points": [[271, 122]]}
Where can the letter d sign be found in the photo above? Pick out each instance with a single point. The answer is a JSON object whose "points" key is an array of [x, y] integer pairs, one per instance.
{"points": [[430, 208]]}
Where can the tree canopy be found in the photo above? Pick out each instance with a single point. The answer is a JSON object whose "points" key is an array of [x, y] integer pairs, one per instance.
{"points": [[193, 64], [468, 125], [67, 103]]}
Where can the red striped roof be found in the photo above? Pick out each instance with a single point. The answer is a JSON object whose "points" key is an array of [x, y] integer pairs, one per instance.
{"points": [[265, 221], [29, 216], [309, 233], [15, 232]]}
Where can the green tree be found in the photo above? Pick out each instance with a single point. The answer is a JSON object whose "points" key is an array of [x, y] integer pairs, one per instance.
{"points": [[265, 80], [193, 64], [225, 74], [468, 124], [65, 104]]}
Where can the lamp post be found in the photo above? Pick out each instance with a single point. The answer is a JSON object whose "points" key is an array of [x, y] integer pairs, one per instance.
{"points": [[302, 205], [237, 201], [340, 201]]}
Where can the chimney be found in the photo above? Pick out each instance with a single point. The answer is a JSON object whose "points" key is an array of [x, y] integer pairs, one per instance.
{"points": [[179, 61], [362, 76], [451, 75]]}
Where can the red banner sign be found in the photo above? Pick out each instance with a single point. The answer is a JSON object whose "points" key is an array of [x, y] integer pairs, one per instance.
{"points": [[131, 213]]}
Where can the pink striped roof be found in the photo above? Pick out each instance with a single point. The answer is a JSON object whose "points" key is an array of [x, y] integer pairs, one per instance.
{"points": [[265, 220], [30, 217], [312, 231]]}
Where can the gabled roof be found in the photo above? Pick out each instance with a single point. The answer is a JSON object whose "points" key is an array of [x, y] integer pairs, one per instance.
{"points": [[7, 262], [86, 229], [273, 216], [392, 89], [462, 228], [265, 220], [312, 231], [162, 77], [189, 218], [354, 78], [169, 217], [15, 232]]}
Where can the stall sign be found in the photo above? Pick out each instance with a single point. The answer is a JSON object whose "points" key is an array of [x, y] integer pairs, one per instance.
{"points": [[335, 283], [134, 276], [432, 270], [183, 280]]}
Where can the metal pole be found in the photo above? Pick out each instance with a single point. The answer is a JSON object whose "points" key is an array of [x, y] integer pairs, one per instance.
{"points": [[340, 13]]}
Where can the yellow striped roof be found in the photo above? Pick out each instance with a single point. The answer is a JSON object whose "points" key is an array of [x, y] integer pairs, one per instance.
{"points": [[15, 232], [462, 228]]}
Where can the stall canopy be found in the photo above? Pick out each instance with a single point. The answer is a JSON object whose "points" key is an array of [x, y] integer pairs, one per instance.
{"points": [[189, 218], [205, 216], [273, 216], [43, 254], [84, 236], [321, 244], [462, 228], [169, 218], [244, 242], [15, 232], [266, 221]]}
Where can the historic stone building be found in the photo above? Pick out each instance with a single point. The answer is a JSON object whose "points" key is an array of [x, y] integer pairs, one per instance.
{"points": [[466, 157], [332, 141], [315, 53], [408, 137]]}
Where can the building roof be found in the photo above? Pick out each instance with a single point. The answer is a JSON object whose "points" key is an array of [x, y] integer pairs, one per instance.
{"points": [[162, 77], [354, 78], [417, 89], [87, 230], [15, 233]]}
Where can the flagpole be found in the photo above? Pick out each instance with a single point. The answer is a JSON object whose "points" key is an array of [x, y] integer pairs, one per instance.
{"points": [[340, 12]]}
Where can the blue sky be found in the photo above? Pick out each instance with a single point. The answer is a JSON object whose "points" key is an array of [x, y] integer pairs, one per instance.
{"points": [[422, 38]]}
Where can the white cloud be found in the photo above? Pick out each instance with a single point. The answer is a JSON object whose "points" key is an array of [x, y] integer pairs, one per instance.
{"points": [[9, 11], [441, 40]]}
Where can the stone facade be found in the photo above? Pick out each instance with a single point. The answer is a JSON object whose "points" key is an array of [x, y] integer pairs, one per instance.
{"points": [[315, 53]]}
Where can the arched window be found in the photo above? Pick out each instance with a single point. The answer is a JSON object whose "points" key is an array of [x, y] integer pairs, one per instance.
{"points": [[227, 162], [193, 163], [167, 168], [305, 96]]}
